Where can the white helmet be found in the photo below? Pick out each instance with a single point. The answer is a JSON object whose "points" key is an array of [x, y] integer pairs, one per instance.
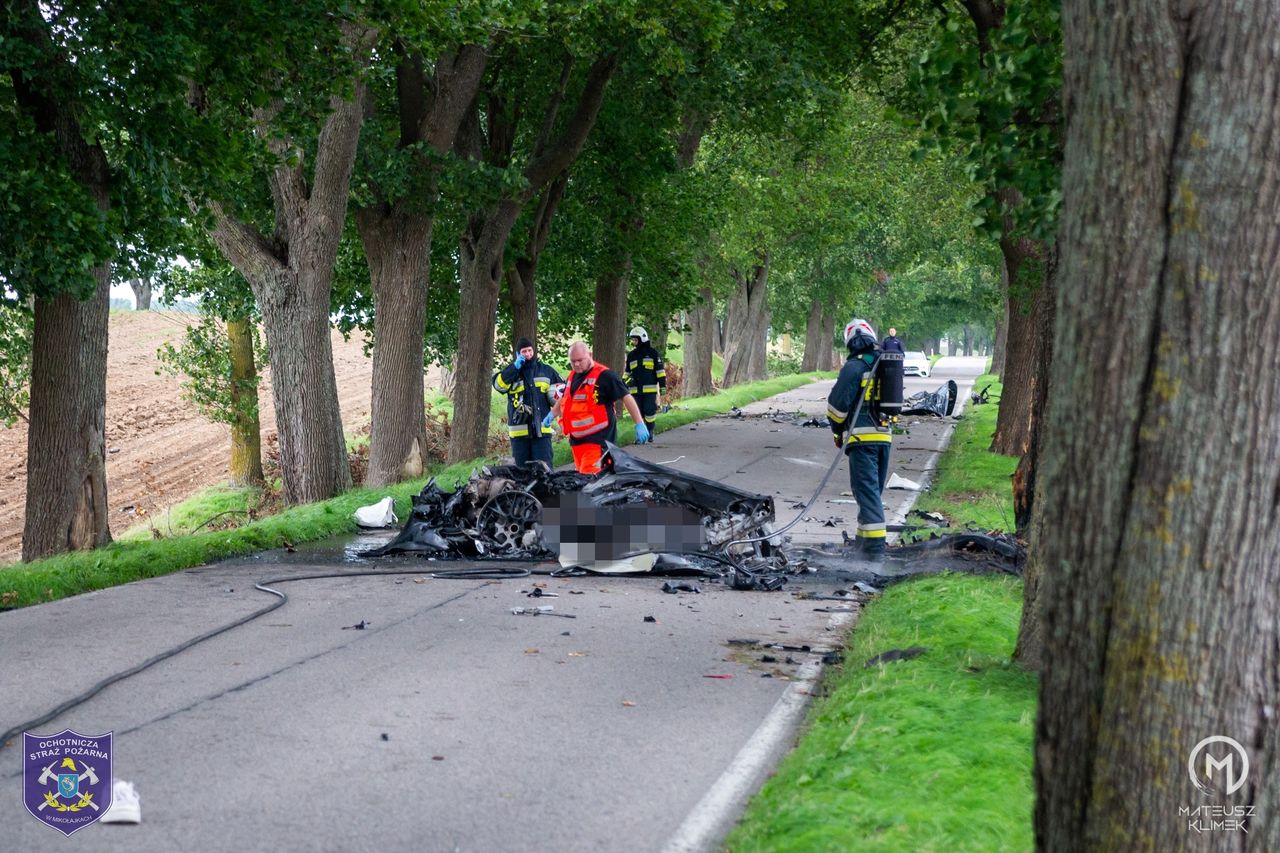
{"points": [[639, 332], [859, 336]]}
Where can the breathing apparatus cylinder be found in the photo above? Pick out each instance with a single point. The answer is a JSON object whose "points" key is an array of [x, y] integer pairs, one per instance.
{"points": [[888, 394]]}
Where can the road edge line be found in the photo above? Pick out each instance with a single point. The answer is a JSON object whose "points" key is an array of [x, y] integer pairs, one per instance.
{"points": [[721, 806]]}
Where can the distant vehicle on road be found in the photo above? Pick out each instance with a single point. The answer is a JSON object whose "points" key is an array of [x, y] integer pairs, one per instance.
{"points": [[915, 363]]}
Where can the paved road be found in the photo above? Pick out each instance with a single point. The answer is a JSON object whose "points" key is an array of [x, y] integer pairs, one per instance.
{"points": [[448, 723]]}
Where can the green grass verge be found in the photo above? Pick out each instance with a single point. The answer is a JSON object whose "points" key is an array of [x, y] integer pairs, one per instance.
{"points": [[970, 484], [132, 559], [933, 753]]}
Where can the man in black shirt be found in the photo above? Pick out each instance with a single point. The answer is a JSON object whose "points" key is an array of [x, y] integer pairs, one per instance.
{"points": [[586, 409]]}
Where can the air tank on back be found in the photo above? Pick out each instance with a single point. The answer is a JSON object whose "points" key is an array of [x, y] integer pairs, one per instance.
{"points": [[889, 376]]}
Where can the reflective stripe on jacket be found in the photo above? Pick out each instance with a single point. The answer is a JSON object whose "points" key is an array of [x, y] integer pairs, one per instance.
{"points": [[583, 413]]}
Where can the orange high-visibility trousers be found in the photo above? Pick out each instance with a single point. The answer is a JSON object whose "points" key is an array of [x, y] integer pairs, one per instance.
{"points": [[586, 457]]}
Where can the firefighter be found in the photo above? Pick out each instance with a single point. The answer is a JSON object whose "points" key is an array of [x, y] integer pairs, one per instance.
{"points": [[867, 443], [646, 376], [586, 409], [527, 383]]}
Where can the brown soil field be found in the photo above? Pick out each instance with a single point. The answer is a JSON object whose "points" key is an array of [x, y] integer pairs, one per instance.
{"points": [[159, 449]]}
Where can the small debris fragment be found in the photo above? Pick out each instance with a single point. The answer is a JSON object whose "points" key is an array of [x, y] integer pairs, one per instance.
{"points": [[744, 642], [718, 676], [672, 587], [627, 703], [650, 619], [768, 659], [531, 651], [896, 654], [359, 626], [386, 736], [437, 758]]}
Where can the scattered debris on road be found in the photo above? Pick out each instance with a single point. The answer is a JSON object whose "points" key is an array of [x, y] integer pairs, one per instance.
{"points": [[359, 626]]}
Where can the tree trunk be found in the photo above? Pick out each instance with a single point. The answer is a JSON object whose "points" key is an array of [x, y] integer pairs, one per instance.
{"points": [[746, 326], [609, 325], [66, 506], [816, 345], [141, 288], [699, 346], [397, 244], [246, 432], [483, 243], [1028, 487], [659, 334], [481, 258], [522, 277], [758, 366], [292, 276], [397, 234], [1024, 268], [1162, 467]]}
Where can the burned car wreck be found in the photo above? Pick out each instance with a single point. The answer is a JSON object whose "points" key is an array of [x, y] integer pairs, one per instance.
{"points": [[628, 518], [639, 517]]}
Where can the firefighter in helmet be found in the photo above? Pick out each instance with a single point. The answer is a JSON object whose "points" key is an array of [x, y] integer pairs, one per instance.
{"points": [[527, 384], [867, 440], [646, 376]]}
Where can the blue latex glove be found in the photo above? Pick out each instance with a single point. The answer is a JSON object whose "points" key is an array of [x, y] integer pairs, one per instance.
{"points": [[519, 362], [642, 434], [546, 422]]}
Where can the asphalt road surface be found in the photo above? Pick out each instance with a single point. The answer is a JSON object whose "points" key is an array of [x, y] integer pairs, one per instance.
{"points": [[447, 723]]}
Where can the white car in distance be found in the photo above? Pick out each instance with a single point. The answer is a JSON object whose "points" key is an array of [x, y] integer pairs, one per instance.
{"points": [[915, 363]]}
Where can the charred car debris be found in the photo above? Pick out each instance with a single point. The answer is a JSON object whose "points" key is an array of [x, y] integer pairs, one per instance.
{"points": [[639, 517]]}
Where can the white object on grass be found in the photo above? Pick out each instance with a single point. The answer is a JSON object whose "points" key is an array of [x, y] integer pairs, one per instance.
{"points": [[379, 515]]}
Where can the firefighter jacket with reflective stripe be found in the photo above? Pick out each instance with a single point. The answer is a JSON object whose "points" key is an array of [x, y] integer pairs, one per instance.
{"points": [[855, 380], [584, 415], [527, 401], [645, 371]]}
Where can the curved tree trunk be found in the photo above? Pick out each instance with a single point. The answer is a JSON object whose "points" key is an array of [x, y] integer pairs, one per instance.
{"points": [[397, 244], [699, 345], [66, 506], [609, 325], [292, 278], [246, 432], [1162, 477]]}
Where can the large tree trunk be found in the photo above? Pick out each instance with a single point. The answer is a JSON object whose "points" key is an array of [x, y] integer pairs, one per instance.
{"points": [[396, 234], [746, 325], [609, 325], [397, 244], [699, 345], [246, 431], [292, 276], [816, 345], [66, 507], [141, 288], [1162, 461], [66, 500]]}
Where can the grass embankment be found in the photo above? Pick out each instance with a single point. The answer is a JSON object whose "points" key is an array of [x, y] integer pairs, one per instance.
{"points": [[130, 560], [970, 485], [931, 753]]}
